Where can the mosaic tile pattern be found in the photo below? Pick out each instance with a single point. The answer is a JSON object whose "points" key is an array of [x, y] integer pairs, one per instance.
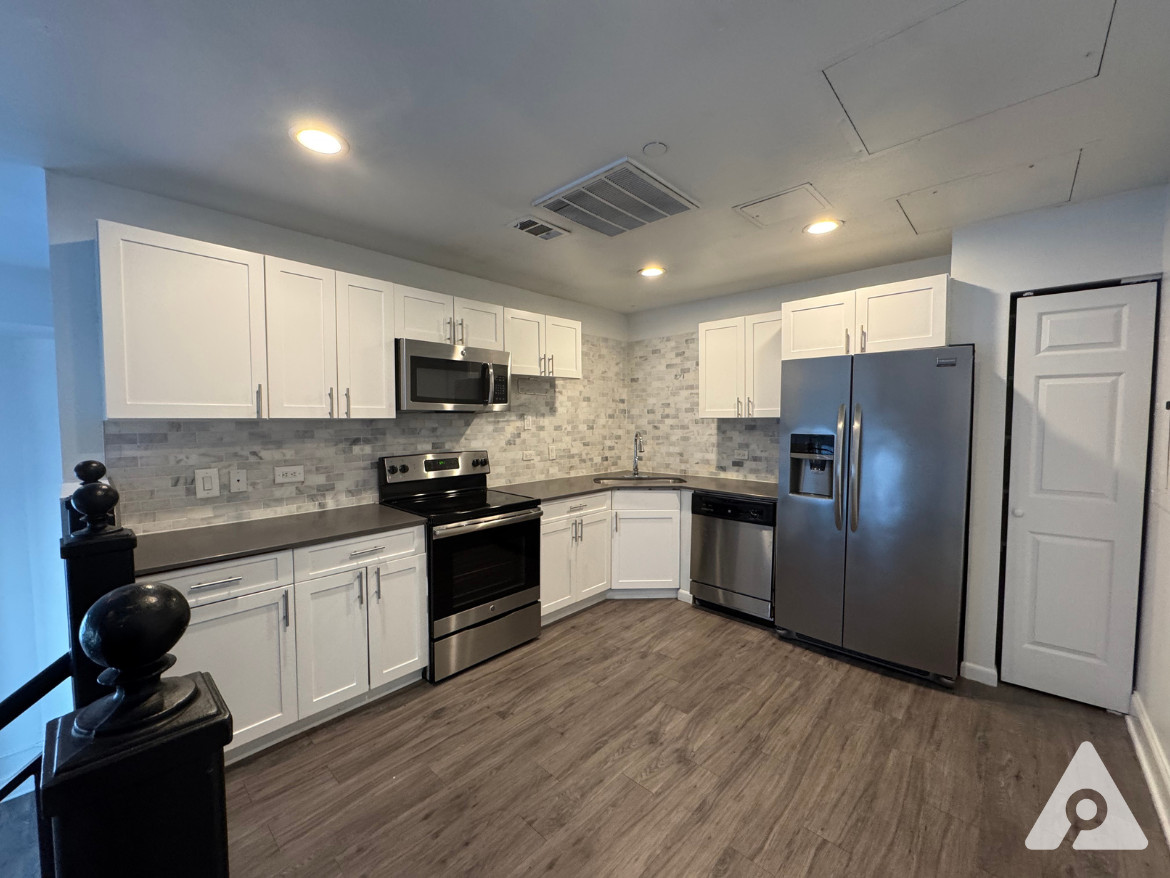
{"points": [[646, 385]]}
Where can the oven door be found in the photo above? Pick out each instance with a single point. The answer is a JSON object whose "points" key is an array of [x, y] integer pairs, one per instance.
{"points": [[483, 568], [451, 378]]}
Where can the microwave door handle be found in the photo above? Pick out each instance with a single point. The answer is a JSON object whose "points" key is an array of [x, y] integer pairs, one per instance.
{"points": [[489, 373]]}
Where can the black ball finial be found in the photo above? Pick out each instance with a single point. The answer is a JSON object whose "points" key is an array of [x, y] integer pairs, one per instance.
{"points": [[129, 631], [90, 471], [95, 500]]}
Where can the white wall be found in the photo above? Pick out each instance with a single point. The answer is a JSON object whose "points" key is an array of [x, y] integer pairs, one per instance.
{"points": [[677, 319], [1107, 238], [74, 206]]}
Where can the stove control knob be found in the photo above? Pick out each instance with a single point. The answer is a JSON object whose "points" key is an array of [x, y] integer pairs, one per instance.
{"points": [[404, 469], [483, 461], [392, 469]]}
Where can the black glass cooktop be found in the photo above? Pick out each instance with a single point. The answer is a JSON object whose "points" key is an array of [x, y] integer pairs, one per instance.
{"points": [[462, 505]]}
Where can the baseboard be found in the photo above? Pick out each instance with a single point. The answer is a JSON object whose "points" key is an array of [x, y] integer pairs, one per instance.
{"points": [[564, 612], [979, 673], [626, 594], [1152, 757], [685, 596]]}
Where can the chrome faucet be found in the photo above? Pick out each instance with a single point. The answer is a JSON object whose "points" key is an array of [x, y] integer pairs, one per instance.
{"points": [[639, 448]]}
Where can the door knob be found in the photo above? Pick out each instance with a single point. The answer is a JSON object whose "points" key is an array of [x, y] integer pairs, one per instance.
{"points": [[1018, 512]]}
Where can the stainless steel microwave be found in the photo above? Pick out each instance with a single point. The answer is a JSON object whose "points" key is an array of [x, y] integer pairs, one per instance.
{"points": [[435, 377]]}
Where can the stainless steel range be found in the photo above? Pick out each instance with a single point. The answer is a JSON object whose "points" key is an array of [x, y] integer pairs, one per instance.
{"points": [[483, 555]]}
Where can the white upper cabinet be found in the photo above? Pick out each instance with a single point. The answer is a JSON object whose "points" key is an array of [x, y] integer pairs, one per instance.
{"points": [[423, 315], [302, 339], [478, 324], [903, 315], [822, 326], [563, 346], [182, 326], [762, 355], [365, 347], [542, 345]]}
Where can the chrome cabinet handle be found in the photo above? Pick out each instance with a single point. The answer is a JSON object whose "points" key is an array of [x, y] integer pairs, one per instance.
{"points": [[855, 470], [359, 552], [230, 579], [738, 407], [462, 332], [259, 400], [360, 578], [846, 341], [578, 507], [451, 330], [551, 369], [284, 598], [749, 407], [839, 470], [378, 583], [617, 522], [347, 409], [542, 364], [330, 402], [863, 338]]}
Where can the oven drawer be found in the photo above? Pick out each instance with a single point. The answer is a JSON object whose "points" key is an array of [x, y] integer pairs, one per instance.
{"points": [[214, 582], [313, 561], [583, 505]]}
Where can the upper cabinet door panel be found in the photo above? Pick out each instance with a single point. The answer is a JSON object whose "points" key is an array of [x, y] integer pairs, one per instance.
{"points": [[302, 339], [563, 345], [822, 326], [182, 326], [423, 315], [365, 347], [721, 380], [762, 342], [903, 315], [524, 339], [479, 325]]}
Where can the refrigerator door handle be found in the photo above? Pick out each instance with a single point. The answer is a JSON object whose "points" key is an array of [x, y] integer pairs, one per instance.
{"points": [[839, 470], [855, 470]]}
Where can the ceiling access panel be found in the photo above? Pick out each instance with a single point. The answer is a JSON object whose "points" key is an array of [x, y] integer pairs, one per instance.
{"points": [[971, 59], [801, 204]]}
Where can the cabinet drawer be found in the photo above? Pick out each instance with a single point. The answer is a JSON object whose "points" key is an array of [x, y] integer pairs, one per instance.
{"points": [[641, 498], [313, 561], [214, 582], [576, 506]]}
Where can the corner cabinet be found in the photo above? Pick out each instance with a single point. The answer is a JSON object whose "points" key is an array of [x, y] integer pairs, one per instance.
{"points": [[183, 326], [542, 345], [890, 317], [574, 551], [646, 540], [739, 367]]}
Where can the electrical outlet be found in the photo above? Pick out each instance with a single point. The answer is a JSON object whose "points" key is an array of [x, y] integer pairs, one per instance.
{"points": [[286, 474], [528, 422], [530, 455], [552, 452], [206, 483], [238, 481]]}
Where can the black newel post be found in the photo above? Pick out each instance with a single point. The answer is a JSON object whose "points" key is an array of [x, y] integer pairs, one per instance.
{"points": [[133, 783], [98, 558]]}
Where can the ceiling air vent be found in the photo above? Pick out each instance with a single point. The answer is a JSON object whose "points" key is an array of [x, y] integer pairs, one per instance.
{"points": [[619, 197], [546, 231]]}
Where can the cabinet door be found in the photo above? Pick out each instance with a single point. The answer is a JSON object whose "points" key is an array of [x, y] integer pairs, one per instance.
{"points": [[591, 568], [396, 618], [645, 549], [563, 346], [423, 315], [822, 326], [557, 549], [365, 347], [908, 314], [301, 304], [524, 340], [247, 645], [762, 364], [182, 326], [479, 325], [721, 379], [332, 654]]}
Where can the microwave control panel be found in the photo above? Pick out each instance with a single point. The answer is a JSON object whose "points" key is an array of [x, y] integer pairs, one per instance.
{"points": [[500, 390]]}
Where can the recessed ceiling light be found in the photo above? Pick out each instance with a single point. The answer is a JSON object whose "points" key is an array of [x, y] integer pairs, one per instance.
{"points": [[652, 271], [823, 227], [319, 141]]}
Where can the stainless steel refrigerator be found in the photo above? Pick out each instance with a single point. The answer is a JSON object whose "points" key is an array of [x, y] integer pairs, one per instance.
{"points": [[871, 520]]}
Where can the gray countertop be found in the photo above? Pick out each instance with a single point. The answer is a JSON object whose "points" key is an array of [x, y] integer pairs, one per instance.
{"points": [[174, 549], [555, 489]]}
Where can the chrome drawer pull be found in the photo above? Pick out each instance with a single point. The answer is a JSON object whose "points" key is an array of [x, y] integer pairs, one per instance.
{"points": [[578, 507], [230, 579], [366, 551]]}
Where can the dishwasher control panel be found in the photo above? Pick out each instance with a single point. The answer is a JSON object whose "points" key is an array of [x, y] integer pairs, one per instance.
{"points": [[761, 512]]}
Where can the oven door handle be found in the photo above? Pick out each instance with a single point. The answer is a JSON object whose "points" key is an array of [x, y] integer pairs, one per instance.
{"points": [[459, 528]]}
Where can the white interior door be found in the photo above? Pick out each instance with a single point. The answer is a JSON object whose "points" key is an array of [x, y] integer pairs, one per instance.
{"points": [[365, 347], [822, 326], [301, 305], [904, 315], [762, 373], [1080, 422], [423, 315], [332, 645], [479, 325], [563, 345], [721, 379], [524, 340]]}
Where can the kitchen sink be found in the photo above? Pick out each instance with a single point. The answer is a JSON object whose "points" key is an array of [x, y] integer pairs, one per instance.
{"points": [[639, 480]]}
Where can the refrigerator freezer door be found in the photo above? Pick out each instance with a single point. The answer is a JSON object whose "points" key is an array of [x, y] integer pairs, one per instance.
{"points": [[810, 519], [904, 565]]}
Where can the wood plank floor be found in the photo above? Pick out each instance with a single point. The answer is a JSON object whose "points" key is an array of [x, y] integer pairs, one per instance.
{"points": [[650, 738]]}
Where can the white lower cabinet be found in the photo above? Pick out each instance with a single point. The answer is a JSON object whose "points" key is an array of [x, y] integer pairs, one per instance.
{"points": [[248, 646], [574, 551], [396, 613], [591, 573], [557, 555], [646, 529], [332, 650]]}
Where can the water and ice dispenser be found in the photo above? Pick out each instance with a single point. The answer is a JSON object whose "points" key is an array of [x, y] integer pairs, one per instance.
{"points": [[811, 461]]}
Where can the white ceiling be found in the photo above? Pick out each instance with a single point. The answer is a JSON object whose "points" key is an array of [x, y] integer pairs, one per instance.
{"points": [[461, 112]]}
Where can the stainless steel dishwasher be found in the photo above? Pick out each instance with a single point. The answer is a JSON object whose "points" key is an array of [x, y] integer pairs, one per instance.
{"points": [[731, 552]]}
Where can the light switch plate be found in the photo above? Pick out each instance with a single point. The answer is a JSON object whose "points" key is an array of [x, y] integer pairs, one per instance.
{"points": [[552, 452], [283, 475], [528, 422], [238, 481], [206, 483], [530, 455]]}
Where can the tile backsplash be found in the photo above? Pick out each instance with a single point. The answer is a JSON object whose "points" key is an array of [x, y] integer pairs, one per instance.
{"points": [[648, 385]]}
